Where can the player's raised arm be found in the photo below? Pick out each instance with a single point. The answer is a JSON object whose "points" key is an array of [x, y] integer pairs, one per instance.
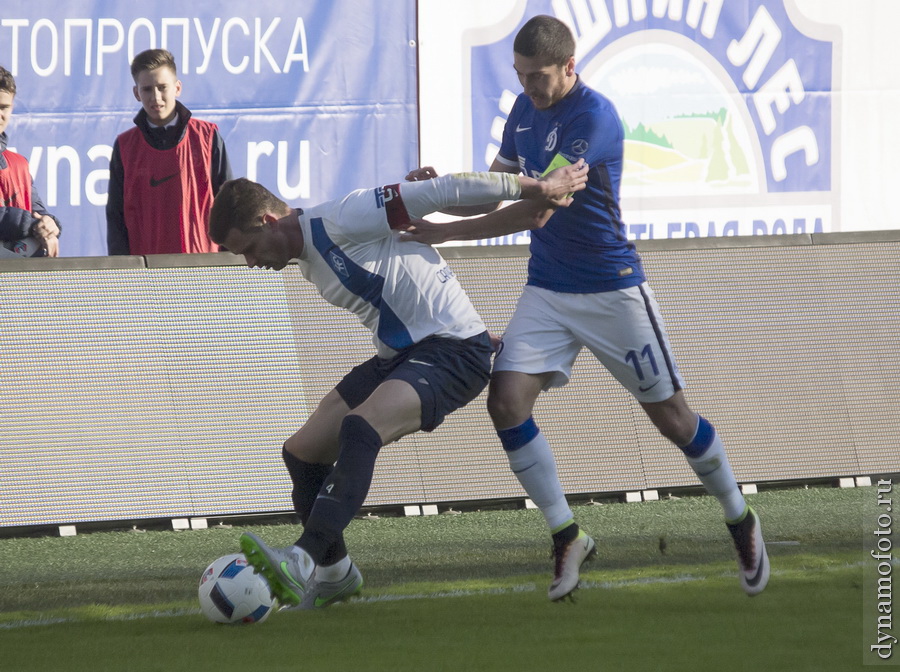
{"points": [[540, 198], [429, 173]]}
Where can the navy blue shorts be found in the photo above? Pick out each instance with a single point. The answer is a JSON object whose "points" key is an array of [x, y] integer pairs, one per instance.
{"points": [[447, 373]]}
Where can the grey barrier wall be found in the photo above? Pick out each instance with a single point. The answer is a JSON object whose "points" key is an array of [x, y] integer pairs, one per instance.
{"points": [[163, 387]]}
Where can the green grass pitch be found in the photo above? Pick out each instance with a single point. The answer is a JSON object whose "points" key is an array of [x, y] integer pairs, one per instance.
{"points": [[464, 592]]}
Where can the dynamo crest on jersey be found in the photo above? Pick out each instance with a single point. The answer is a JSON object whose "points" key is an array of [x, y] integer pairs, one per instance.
{"points": [[552, 139], [339, 264]]}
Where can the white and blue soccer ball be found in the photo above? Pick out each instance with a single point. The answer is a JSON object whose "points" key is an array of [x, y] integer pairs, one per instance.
{"points": [[230, 592]]}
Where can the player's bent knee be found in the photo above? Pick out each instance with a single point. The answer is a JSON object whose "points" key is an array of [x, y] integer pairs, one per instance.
{"points": [[505, 412], [297, 447], [673, 418], [312, 447]]}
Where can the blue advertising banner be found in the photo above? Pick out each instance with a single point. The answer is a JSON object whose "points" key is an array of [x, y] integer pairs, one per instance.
{"points": [[313, 99], [727, 109]]}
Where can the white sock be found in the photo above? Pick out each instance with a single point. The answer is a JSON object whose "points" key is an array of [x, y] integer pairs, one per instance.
{"points": [[334, 572], [714, 471], [534, 466]]}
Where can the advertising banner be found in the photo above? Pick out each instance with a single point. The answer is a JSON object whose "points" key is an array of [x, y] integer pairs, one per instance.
{"points": [[741, 117], [726, 106], [313, 99]]}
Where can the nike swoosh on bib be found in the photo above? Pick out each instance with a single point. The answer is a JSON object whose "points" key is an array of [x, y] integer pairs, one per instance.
{"points": [[155, 183]]}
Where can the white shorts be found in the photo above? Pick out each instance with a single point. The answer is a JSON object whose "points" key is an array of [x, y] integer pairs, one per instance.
{"points": [[623, 328]]}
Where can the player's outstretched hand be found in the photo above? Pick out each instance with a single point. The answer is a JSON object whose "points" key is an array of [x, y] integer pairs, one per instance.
{"points": [[423, 231], [423, 173], [561, 184]]}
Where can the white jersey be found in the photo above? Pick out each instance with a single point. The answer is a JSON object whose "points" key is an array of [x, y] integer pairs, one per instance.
{"points": [[402, 291]]}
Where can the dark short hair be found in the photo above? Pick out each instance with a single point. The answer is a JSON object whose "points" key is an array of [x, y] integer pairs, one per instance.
{"points": [[240, 205], [545, 38], [7, 81], [151, 59]]}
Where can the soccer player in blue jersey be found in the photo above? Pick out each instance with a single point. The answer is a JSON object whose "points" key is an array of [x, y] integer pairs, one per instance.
{"points": [[586, 288], [433, 351]]}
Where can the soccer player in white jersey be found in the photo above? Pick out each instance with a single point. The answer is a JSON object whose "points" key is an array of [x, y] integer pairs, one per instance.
{"points": [[586, 288], [433, 351]]}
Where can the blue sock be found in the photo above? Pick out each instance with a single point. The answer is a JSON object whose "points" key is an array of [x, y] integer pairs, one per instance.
{"points": [[516, 437], [702, 440]]}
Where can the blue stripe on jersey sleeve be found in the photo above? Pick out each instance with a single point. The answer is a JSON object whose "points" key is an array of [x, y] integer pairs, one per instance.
{"points": [[367, 286]]}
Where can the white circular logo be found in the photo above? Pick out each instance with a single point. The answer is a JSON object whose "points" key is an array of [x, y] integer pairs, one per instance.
{"points": [[580, 146]]}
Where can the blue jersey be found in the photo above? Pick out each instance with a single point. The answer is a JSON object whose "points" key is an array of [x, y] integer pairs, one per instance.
{"points": [[583, 248]]}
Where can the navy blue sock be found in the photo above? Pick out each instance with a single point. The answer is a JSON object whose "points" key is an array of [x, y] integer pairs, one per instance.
{"points": [[308, 479], [345, 490]]}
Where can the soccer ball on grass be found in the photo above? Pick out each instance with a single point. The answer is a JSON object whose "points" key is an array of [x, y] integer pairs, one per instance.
{"points": [[230, 592]]}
